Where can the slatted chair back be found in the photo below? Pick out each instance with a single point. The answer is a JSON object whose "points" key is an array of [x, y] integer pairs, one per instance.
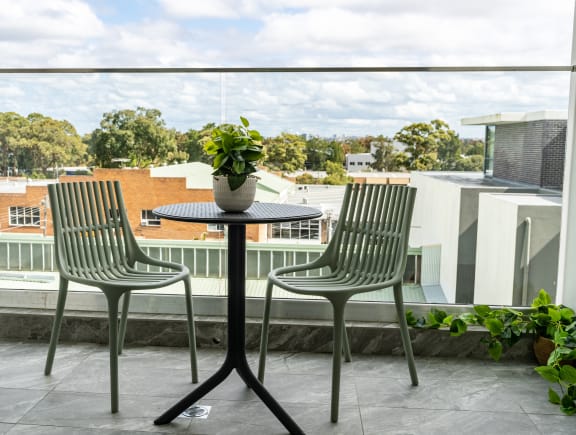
{"points": [[370, 242], [91, 228]]}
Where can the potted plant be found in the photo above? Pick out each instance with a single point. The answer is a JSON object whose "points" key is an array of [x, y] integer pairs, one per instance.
{"points": [[554, 328], [234, 151]]}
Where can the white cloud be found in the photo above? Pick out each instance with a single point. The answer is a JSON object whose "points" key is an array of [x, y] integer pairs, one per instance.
{"points": [[29, 20], [69, 33]]}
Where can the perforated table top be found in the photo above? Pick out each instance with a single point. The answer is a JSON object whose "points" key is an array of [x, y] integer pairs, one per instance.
{"points": [[259, 212]]}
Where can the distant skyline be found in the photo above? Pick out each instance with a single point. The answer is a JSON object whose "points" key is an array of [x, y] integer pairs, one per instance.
{"points": [[289, 33]]}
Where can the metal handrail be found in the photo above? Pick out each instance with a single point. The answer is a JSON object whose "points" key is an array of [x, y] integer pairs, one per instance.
{"points": [[329, 69]]}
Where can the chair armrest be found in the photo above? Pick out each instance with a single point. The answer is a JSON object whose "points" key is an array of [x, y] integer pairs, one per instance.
{"points": [[141, 257], [316, 264]]}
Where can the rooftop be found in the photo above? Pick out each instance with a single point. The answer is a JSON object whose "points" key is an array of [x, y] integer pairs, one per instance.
{"points": [[516, 117]]}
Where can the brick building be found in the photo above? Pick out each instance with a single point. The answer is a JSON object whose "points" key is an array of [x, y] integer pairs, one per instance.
{"points": [[26, 210]]}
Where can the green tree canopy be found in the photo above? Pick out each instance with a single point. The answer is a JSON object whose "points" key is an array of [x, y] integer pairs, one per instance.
{"points": [[192, 143], [319, 150], [12, 127], [35, 143], [385, 155], [137, 135], [51, 143], [336, 174], [429, 146], [286, 152]]}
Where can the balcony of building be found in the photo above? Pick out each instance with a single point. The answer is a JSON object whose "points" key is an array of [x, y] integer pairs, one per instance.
{"points": [[456, 395]]}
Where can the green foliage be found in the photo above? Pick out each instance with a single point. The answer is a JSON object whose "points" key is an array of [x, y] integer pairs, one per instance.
{"points": [[234, 151], [506, 326], [192, 143], [286, 152], [306, 178], [320, 150], [385, 156], [336, 174], [137, 135], [434, 146], [36, 143]]}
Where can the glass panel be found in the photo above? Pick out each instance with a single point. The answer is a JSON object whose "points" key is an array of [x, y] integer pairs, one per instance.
{"points": [[444, 238]]}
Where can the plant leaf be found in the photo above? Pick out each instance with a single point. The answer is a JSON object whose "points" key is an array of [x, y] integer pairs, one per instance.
{"points": [[495, 326], [219, 160], [567, 405], [482, 310], [495, 350], [235, 181], [542, 299], [568, 374], [411, 319], [553, 396], [244, 121], [457, 327], [549, 373]]}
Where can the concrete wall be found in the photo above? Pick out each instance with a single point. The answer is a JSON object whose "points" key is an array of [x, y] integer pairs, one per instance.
{"points": [[436, 216], [446, 212], [500, 259]]}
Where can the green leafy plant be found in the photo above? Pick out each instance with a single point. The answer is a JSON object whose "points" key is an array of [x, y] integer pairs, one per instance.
{"points": [[506, 326], [234, 151]]}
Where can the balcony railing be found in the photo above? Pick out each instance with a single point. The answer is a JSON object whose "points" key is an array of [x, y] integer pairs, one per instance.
{"points": [[205, 259]]}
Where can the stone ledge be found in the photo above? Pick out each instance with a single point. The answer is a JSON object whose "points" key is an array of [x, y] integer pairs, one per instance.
{"points": [[285, 335]]}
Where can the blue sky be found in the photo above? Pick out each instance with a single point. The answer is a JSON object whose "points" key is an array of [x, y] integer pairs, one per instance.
{"points": [[260, 33]]}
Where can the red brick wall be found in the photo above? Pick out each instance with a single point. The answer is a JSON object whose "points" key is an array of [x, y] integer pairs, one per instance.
{"points": [[142, 192], [34, 197]]}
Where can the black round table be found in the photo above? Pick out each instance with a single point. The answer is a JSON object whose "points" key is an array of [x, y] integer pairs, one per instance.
{"points": [[258, 213]]}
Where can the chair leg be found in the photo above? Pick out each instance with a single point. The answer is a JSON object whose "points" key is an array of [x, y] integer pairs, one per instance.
{"points": [[347, 353], [264, 334], [113, 300], [399, 301], [123, 321], [339, 331], [62, 292], [191, 330]]}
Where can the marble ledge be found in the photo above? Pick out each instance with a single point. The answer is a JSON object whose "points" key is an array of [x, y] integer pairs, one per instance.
{"points": [[285, 335]]}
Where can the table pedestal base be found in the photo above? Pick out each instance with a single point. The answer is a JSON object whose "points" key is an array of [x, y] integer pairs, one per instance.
{"points": [[236, 354]]}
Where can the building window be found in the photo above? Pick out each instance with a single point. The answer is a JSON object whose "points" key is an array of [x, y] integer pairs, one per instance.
{"points": [[148, 219], [215, 228], [489, 150], [301, 230], [24, 216]]}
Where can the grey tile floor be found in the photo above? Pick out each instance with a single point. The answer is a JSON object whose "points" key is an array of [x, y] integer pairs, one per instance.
{"points": [[455, 396]]}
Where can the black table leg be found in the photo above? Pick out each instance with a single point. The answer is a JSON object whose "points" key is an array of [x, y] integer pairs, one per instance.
{"points": [[236, 353]]}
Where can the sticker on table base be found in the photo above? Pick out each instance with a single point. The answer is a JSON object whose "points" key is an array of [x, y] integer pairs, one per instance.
{"points": [[197, 411]]}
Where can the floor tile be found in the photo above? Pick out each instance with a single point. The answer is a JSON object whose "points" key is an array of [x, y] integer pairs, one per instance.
{"points": [[455, 395], [378, 421], [14, 403]]}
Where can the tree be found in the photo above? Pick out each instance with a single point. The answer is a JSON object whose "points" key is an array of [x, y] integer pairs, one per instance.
{"points": [[472, 147], [449, 151], [384, 155], [319, 150], [306, 178], [469, 163], [286, 152], [35, 143], [51, 143], [429, 144], [12, 126], [336, 174], [192, 143], [137, 135]]}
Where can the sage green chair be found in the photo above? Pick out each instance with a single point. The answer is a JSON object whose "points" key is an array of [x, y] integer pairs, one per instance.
{"points": [[94, 245], [367, 252]]}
